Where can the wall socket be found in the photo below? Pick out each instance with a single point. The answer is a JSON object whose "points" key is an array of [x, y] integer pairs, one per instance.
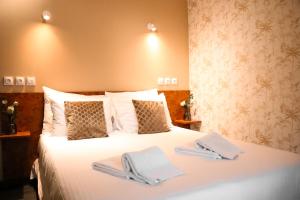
{"points": [[8, 80], [167, 81], [30, 81], [174, 81], [160, 81], [20, 80]]}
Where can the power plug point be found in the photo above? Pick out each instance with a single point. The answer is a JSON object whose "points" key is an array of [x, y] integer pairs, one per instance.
{"points": [[8, 80], [30, 81], [20, 80]]}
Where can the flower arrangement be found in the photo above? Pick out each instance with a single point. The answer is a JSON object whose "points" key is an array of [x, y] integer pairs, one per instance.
{"points": [[9, 112], [187, 104]]}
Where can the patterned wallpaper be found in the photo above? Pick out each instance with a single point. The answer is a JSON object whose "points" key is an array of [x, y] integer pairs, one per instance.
{"points": [[245, 69]]}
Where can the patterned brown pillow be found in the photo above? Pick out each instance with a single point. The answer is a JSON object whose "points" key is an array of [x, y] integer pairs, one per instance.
{"points": [[85, 119], [150, 116]]}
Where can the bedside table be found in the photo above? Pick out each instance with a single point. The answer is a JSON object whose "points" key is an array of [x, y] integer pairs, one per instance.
{"points": [[15, 136], [14, 155], [189, 124]]}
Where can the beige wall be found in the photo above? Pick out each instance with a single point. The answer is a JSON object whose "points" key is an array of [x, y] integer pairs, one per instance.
{"points": [[94, 44], [245, 69]]}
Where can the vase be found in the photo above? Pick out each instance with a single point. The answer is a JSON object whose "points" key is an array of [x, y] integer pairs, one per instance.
{"points": [[12, 128], [187, 114], [12, 124]]}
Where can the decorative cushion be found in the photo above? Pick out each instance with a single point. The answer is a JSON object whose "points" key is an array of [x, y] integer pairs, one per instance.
{"points": [[54, 117], [85, 119], [150, 116], [48, 114], [123, 109]]}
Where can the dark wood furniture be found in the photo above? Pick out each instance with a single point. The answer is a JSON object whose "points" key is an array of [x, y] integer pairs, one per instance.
{"points": [[15, 155], [18, 135], [189, 124], [30, 117]]}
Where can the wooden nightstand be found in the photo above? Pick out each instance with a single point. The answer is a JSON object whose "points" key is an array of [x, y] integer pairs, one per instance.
{"points": [[189, 124], [15, 136], [14, 155]]}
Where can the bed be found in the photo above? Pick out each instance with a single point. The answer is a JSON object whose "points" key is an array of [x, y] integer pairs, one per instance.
{"points": [[79, 130], [65, 171]]}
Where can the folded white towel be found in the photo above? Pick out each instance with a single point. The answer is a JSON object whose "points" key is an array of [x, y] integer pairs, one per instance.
{"points": [[149, 166], [216, 143], [196, 151], [112, 166]]}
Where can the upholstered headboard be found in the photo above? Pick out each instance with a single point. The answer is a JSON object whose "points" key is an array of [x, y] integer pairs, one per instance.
{"points": [[30, 118]]}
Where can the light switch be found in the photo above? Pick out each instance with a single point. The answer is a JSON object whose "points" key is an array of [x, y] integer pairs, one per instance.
{"points": [[8, 80], [20, 80], [174, 81], [167, 81], [30, 81], [160, 80]]}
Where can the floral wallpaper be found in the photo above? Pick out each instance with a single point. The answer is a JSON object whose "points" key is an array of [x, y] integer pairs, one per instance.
{"points": [[245, 69]]}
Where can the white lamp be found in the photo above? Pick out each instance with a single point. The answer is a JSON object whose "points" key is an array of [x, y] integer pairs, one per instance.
{"points": [[151, 27], [46, 16]]}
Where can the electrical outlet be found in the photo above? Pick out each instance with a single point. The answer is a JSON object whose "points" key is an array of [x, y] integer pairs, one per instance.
{"points": [[20, 80], [160, 80], [8, 80], [30, 81], [167, 81], [174, 81]]}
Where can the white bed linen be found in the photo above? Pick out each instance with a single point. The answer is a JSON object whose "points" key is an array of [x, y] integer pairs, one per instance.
{"points": [[259, 173]]}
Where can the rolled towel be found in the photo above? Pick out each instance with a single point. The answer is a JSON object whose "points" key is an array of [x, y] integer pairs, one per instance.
{"points": [[150, 165], [216, 143]]}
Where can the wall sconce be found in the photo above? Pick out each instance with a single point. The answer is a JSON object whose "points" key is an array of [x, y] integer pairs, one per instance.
{"points": [[46, 16], [151, 27]]}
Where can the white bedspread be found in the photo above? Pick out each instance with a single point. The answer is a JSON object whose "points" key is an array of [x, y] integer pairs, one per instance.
{"points": [[259, 173]]}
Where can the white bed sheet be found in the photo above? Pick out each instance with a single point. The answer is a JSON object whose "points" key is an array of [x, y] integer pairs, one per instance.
{"points": [[259, 173]]}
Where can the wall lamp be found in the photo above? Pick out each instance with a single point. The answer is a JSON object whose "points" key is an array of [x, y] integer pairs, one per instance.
{"points": [[151, 27], [46, 16]]}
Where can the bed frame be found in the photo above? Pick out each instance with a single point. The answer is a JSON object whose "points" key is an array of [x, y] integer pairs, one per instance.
{"points": [[30, 118]]}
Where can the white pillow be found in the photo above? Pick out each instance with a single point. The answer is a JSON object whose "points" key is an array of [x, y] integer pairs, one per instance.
{"points": [[57, 99], [124, 110], [48, 115], [162, 97]]}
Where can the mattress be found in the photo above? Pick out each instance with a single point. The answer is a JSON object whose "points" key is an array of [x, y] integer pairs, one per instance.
{"points": [[65, 170]]}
